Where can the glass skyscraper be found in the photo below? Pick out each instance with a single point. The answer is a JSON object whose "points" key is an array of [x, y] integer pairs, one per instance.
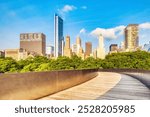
{"points": [[58, 36]]}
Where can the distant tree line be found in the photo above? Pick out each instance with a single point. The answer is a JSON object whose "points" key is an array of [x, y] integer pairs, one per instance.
{"points": [[131, 60]]}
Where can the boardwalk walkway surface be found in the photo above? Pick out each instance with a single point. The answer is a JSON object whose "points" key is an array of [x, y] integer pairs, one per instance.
{"points": [[128, 88], [88, 90], [105, 86]]}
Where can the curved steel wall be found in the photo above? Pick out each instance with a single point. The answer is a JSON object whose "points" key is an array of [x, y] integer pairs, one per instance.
{"points": [[34, 85]]}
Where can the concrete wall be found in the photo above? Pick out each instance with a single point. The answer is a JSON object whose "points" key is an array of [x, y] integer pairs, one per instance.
{"points": [[34, 85]]}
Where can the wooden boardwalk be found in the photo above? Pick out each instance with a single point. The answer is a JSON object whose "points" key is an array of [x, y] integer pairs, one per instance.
{"points": [[105, 86]]}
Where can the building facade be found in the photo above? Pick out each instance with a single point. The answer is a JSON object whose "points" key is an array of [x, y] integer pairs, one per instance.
{"points": [[78, 43], [33, 42], [113, 48], [16, 54], [50, 50], [74, 48], [58, 36], [131, 37], [101, 49], [88, 49], [67, 49]]}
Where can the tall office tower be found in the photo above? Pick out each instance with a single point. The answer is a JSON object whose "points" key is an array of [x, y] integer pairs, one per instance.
{"points": [[78, 43], [131, 37], [67, 49], [101, 49], [88, 49], [33, 42], [58, 36]]}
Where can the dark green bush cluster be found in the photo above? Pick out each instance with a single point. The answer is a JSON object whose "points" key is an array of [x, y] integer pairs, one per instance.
{"points": [[131, 60]]}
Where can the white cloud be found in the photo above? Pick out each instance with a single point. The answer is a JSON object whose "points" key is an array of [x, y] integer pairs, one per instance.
{"points": [[145, 25], [118, 33], [84, 7], [68, 8], [110, 33], [82, 31]]}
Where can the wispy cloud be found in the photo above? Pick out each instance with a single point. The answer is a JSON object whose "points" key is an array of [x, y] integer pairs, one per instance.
{"points": [[66, 9], [82, 31]]}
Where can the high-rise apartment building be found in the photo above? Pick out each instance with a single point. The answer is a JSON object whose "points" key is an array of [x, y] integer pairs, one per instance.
{"points": [[33, 42], [67, 49], [131, 37], [88, 48], [58, 36], [101, 49], [78, 43]]}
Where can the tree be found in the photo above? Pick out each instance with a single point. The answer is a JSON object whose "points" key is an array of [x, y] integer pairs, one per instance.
{"points": [[8, 65]]}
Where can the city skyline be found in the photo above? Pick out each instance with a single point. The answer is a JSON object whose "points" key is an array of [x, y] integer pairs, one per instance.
{"points": [[79, 19]]}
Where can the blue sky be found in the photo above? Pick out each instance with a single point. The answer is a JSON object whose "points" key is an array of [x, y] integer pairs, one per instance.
{"points": [[86, 18]]}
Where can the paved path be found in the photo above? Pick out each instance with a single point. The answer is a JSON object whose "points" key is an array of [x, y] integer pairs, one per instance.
{"points": [[128, 88], [89, 90], [105, 86], [143, 77]]}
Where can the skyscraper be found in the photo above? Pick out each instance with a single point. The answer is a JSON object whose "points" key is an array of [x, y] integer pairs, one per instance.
{"points": [[67, 49], [88, 48], [33, 42], [101, 49], [131, 37], [78, 43], [58, 36]]}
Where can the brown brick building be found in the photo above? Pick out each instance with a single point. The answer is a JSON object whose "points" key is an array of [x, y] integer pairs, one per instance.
{"points": [[33, 42], [88, 48], [113, 47]]}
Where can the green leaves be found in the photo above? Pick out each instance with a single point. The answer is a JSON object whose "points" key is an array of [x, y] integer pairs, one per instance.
{"points": [[8, 65], [131, 60]]}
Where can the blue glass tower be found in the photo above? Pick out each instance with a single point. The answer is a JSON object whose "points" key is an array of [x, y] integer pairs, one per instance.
{"points": [[58, 36]]}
